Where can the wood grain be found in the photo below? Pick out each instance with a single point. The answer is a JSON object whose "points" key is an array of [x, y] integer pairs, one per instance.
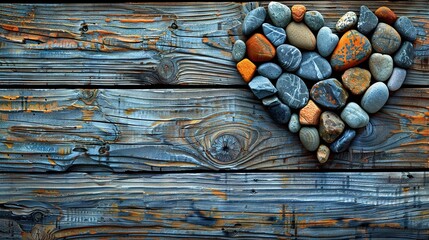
{"points": [[189, 129], [215, 206], [150, 43]]}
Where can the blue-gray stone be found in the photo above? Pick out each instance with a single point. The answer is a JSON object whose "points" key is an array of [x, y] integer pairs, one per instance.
{"points": [[270, 70], [262, 87], [309, 137], [367, 20], [344, 141], [276, 35], [314, 67], [253, 20], [354, 115], [294, 125], [238, 50], [404, 57], [375, 97], [396, 79], [405, 27], [385, 39], [279, 13], [314, 20], [329, 93], [279, 111], [381, 66], [289, 57], [326, 41], [292, 90]]}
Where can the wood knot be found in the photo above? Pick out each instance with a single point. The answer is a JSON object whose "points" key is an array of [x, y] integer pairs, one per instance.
{"points": [[88, 95], [225, 148], [167, 70]]}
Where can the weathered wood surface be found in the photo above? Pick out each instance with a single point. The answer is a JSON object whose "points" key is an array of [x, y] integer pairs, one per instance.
{"points": [[189, 129], [150, 43], [215, 206]]}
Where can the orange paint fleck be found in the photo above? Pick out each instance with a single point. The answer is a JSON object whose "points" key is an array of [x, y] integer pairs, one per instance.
{"points": [[87, 115], [11, 97], [220, 194], [107, 20], [247, 69], [52, 162], [10, 27], [64, 151], [137, 20], [4, 117], [385, 225], [47, 192], [8, 145], [130, 111]]}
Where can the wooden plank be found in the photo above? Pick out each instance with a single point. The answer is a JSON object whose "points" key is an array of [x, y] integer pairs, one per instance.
{"points": [[150, 43], [215, 205], [189, 129]]}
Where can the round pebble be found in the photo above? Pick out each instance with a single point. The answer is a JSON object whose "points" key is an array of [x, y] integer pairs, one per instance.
{"points": [[396, 79], [238, 50], [356, 80], [367, 20], [344, 141], [375, 97], [346, 22], [301, 36], [253, 20], [329, 93], [386, 15], [289, 57], [381, 66], [292, 90], [279, 14], [406, 29], [278, 111], [354, 115], [323, 153], [404, 58], [276, 35], [262, 87], [314, 67], [326, 41], [270, 70], [385, 39], [314, 20], [259, 48], [294, 125], [331, 126], [309, 137], [298, 12]]}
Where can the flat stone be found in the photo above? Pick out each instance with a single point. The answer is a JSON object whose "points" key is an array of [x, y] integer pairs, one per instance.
{"points": [[298, 12], [406, 29], [367, 20], [279, 14], [309, 137], [352, 49], [381, 66], [354, 115], [347, 21], [404, 57], [259, 48], [270, 70], [329, 93], [331, 126], [301, 36], [356, 80], [344, 141], [323, 153], [386, 15], [294, 125], [292, 90], [253, 20], [238, 50], [396, 79], [314, 20], [326, 41], [289, 57], [309, 115], [247, 69], [385, 39], [278, 111], [276, 35], [314, 67], [375, 97], [262, 87]]}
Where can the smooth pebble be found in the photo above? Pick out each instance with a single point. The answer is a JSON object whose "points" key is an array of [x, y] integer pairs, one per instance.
{"points": [[397, 79], [262, 87], [292, 90], [375, 97], [354, 115]]}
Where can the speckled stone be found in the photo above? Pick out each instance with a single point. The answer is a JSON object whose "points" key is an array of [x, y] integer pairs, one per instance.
{"points": [[354, 115], [406, 29], [367, 20], [276, 35], [253, 20], [301, 36], [329, 93], [356, 80], [375, 97], [298, 12], [314, 20], [385, 39], [239, 50], [279, 14], [404, 57], [396, 79], [262, 87], [289, 57], [344, 141], [386, 15], [278, 111], [326, 41], [381, 66], [294, 125], [346, 22], [292, 90], [270, 70], [259, 48], [309, 114], [323, 153], [309, 137], [331, 126], [314, 67]]}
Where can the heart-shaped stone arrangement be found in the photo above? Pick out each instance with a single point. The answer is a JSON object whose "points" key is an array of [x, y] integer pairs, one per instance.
{"points": [[290, 60]]}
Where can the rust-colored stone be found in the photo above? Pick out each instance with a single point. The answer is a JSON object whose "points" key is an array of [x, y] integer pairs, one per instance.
{"points": [[356, 80], [259, 48], [298, 12], [247, 69], [309, 115], [386, 15]]}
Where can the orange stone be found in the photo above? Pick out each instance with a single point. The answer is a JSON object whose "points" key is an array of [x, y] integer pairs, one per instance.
{"points": [[298, 12], [259, 48], [386, 15], [247, 69], [309, 115]]}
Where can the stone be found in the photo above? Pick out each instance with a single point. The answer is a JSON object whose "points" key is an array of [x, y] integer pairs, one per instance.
{"points": [[344, 141], [331, 126], [396, 79], [270, 70], [309, 137], [326, 41], [309, 115], [406, 29], [329, 93], [314, 67], [298, 12], [278, 111], [253, 20], [279, 14], [292, 90], [404, 58], [352, 49], [314, 20], [354, 115], [239, 50], [381, 66], [247, 69], [301, 36], [385, 39], [276, 35], [323, 153], [386, 15], [367, 20], [259, 48], [347, 21], [262, 87], [294, 125], [289, 57], [375, 97], [356, 80]]}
